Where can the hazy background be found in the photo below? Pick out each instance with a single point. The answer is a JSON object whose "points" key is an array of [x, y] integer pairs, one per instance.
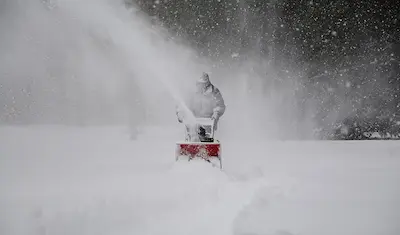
{"points": [[285, 68]]}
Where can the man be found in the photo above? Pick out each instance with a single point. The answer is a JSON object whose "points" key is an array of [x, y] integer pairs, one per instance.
{"points": [[206, 102]]}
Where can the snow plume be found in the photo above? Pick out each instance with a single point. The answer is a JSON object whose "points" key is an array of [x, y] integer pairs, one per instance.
{"points": [[86, 61], [89, 62], [74, 56]]}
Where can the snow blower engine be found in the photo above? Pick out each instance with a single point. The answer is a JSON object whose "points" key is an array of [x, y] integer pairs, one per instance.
{"points": [[200, 143]]}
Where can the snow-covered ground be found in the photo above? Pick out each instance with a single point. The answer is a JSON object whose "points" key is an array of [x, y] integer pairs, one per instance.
{"points": [[95, 180]]}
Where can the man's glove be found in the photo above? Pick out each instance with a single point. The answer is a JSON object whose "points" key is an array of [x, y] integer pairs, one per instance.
{"points": [[179, 116], [214, 116]]}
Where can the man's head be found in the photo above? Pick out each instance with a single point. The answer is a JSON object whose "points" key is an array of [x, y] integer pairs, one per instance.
{"points": [[203, 83]]}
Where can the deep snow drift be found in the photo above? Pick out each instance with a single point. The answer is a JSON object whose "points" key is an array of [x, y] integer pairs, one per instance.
{"points": [[58, 180]]}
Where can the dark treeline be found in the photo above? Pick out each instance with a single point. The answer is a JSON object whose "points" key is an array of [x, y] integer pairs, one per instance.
{"points": [[347, 53]]}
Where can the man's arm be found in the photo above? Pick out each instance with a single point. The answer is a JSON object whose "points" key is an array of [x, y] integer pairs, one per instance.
{"points": [[220, 103]]}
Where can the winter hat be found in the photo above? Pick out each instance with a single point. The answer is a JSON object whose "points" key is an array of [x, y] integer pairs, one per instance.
{"points": [[204, 79]]}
